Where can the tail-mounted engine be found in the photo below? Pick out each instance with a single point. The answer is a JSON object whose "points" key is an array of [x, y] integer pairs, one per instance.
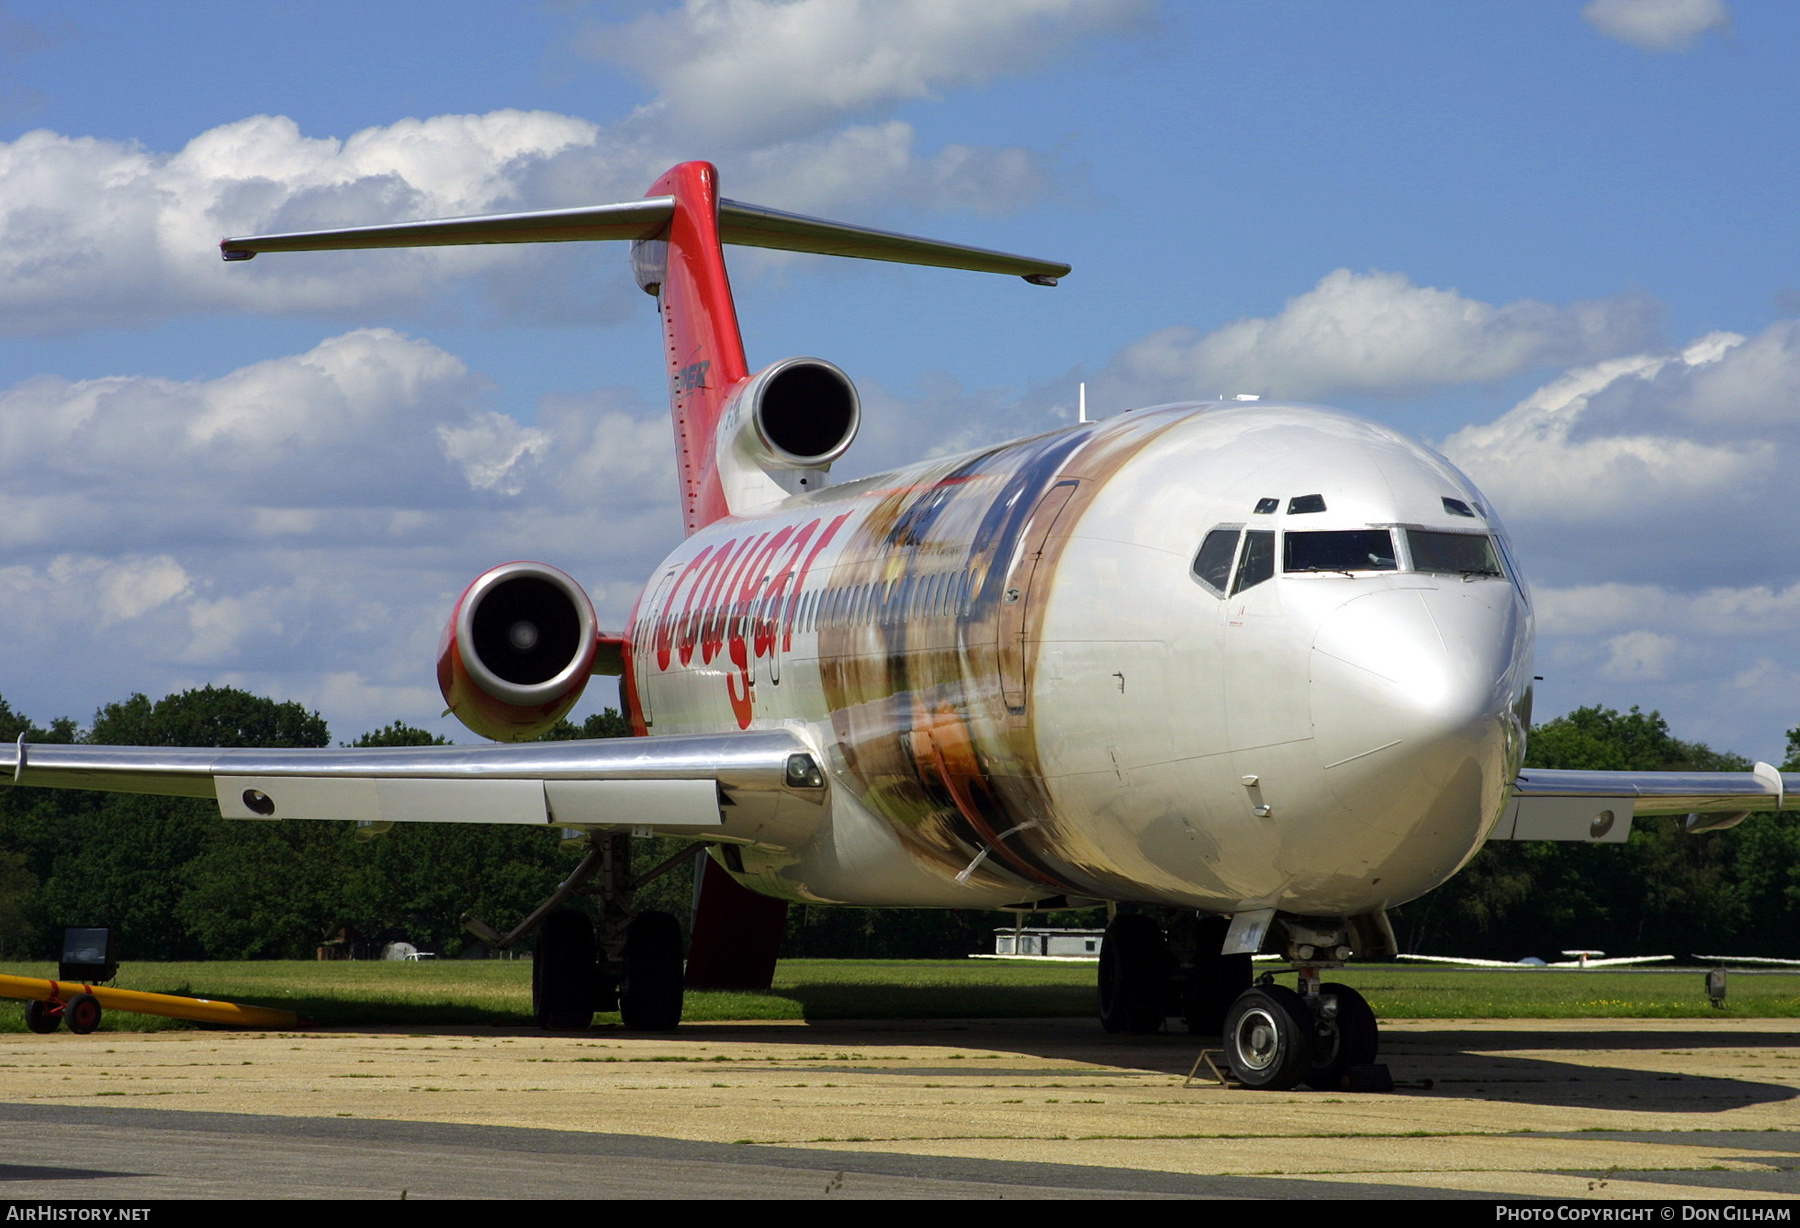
{"points": [[782, 430], [519, 648]]}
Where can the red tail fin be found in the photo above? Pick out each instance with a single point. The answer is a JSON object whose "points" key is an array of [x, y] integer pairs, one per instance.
{"points": [[700, 330]]}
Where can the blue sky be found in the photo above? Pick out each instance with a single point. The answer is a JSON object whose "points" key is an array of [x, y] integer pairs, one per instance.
{"points": [[1556, 240]]}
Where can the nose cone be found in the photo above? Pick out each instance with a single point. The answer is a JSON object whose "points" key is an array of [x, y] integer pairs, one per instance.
{"points": [[1412, 693]]}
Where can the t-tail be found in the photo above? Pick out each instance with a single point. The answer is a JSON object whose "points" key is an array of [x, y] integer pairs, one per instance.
{"points": [[741, 440]]}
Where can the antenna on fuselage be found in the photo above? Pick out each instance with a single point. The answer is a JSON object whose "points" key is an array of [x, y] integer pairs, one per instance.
{"points": [[1081, 404]]}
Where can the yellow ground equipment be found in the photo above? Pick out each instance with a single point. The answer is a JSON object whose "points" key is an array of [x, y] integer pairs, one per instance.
{"points": [[51, 1003]]}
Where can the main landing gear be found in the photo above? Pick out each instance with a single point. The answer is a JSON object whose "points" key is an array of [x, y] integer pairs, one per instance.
{"points": [[582, 965], [1275, 1038], [1149, 975]]}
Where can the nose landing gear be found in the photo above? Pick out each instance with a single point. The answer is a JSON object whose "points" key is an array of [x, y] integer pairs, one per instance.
{"points": [[1268, 1037], [1324, 1035], [1276, 1038]]}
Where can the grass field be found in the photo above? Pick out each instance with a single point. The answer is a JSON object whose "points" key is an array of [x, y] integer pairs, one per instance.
{"points": [[499, 993]]}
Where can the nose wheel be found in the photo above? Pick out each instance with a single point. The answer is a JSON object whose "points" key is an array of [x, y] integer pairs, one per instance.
{"points": [[1276, 1039], [1345, 1035], [1268, 1037]]}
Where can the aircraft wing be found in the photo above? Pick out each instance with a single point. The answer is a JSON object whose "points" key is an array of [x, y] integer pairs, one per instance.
{"points": [[1597, 807], [677, 782]]}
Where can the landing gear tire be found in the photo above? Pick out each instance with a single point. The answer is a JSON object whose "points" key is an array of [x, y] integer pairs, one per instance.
{"points": [[82, 1013], [42, 1017], [1214, 980], [651, 996], [1217, 983], [564, 973], [1352, 1039], [1268, 1038], [1135, 964]]}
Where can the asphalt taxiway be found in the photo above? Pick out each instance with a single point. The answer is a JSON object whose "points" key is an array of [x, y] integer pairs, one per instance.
{"points": [[1004, 1109]]}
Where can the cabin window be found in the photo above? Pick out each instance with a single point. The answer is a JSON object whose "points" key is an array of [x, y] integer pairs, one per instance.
{"points": [[1258, 561], [1212, 566], [1468, 554], [1344, 550]]}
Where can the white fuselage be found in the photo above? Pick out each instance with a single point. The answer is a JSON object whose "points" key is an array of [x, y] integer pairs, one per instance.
{"points": [[1011, 658]]}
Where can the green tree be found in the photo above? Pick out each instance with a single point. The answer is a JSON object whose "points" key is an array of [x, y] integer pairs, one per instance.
{"points": [[1664, 889], [125, 860]]}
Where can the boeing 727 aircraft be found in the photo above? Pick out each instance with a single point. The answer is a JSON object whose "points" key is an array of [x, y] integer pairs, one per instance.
{"points": [[1266, 666]]}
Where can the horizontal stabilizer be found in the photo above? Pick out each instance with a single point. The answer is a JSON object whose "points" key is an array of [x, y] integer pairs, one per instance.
{"points": [[744, 225]]}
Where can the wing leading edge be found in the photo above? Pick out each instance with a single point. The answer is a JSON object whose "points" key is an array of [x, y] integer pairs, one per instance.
{"points": [[1597, 807], [678, 782]]}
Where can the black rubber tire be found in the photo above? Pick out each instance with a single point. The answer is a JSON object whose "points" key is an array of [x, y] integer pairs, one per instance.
{"points": [[1215, 980], [564, 971], [1135, 965], [1268, 1038], [650, 999], [1353, 1042], [82, 1013], [42, 1017]]}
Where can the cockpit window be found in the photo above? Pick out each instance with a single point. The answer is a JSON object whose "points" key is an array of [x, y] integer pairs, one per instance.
{"points": [[1456, 507], [1345, 550], [1212, 566], [1300, 505], [1469, 554], [1258, 563]]}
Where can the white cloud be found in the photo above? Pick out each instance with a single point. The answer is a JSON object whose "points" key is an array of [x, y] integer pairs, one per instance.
{"points": [[492, 449], [302, 526], [131, 588], [1651, 499], [1758, 609], [1375, 333], [1657, 25], [750, 71], [106, 233], [1638, 654], [1663, 467], [97, 232]]}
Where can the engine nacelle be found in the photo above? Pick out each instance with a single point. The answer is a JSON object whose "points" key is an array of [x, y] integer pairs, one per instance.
{"points": [[782, 430], [518, 651]]}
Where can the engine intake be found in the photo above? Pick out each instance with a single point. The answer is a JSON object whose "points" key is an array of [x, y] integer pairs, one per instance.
{"points": [[804, 413], [518, 651]]}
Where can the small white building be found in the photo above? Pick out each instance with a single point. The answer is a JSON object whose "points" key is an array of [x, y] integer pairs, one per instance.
{"points": [[1041, 943]]}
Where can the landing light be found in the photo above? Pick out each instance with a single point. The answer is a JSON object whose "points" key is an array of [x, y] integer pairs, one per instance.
{"points": [[803, 773]]}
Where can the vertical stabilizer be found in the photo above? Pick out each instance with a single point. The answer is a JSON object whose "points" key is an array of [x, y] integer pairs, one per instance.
{"points": [[701, 343]]}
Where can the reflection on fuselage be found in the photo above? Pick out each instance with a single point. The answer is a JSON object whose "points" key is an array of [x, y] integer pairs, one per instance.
{"points": [[1207, 656]]}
